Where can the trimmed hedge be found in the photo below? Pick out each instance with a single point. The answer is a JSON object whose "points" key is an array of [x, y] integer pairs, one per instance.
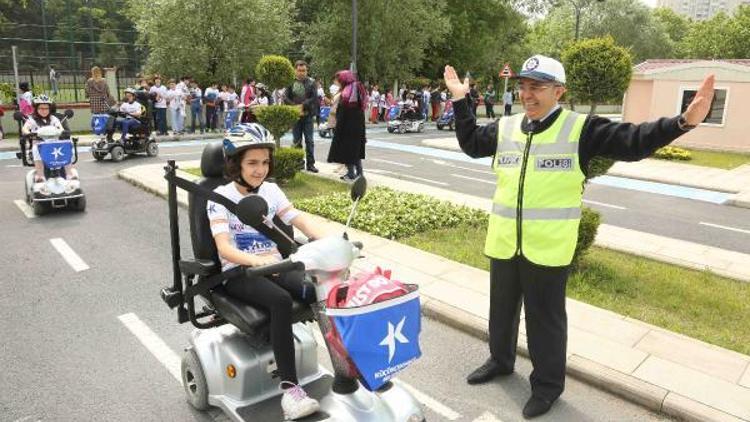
{"points": [[673, 153], [393, 215], [286, 163], [277, 119], [275, 71]]}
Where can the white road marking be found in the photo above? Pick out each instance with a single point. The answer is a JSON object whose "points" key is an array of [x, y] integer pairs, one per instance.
{"points": [[719, 226], [474, 179], [602, 204], [25, 208], [395, 163], [164, 354], [13, 165], [69, 255], [445, 163], [377, 171], [428, 401], [487, 417], [181, 153], [153, 343]]}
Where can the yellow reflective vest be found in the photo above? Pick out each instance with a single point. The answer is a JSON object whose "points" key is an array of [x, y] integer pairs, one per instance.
{"points": [[537, 204]]}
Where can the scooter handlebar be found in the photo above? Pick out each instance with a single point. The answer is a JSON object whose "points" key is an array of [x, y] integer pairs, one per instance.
{"points": [[275, 268]]}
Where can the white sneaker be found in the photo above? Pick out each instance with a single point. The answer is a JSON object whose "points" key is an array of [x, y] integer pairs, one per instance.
{"points": [[296, 404]]}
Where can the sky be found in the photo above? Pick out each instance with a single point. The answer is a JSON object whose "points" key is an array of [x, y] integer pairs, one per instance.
{"points": [[651, 3]]}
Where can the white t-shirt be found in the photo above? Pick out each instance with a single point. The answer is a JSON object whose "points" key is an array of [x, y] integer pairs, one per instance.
{"points": [[334, 89], [161, 91], [507, 98], [31, 125], [131, 108], [242, 236], [176, 98], [232, 100]]}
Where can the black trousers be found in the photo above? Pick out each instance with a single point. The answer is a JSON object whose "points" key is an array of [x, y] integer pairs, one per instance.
{"points": [[508, 107], [274, 294], [542, 290]]}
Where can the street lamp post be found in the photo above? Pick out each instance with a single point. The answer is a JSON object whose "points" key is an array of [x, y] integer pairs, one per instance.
{"points": [[353, 65]]}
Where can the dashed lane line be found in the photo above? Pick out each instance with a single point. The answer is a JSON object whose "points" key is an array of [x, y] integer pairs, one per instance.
{"points": [[460, 176], [602, 204], [395, 163], [153, 343], [70, 256], [25, 208], [719, 226], [407, 176]]}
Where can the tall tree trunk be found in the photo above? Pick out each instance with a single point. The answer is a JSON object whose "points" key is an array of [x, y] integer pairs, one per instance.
{"points": [[592, 111]]}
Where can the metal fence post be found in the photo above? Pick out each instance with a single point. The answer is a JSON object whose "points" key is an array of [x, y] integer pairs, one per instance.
{"points": [[75, 86]]}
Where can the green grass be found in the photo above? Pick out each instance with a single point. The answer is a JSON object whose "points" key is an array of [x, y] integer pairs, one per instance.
{"points": [[718, 159], [697, 304]]}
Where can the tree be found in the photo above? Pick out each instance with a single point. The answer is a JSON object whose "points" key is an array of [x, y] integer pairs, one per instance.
{"points": [[721, 37], [483, 36], [630, 23], [109, 54], [394, 37], [213, 41], [676, 27], [597, 70], [277, 72]]}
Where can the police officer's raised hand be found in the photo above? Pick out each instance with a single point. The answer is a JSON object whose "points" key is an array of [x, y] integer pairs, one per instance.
{"points": [[700, 106], [453, 83]]}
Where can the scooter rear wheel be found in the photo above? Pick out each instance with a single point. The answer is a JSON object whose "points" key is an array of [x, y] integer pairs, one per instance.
{"points": [[98, 156], [40, 208], [80, 204], [152, 149], [194, 380]]}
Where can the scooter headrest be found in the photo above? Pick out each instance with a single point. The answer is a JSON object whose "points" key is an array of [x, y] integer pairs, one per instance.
{"points": [[212, 160]]}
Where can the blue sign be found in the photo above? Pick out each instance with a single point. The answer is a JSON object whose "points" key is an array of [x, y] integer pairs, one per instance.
{"points": [[99, 123], [56, 154], [381, 339]]}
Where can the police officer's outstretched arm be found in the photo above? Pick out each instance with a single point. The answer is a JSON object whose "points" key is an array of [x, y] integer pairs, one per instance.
{"points": [[476, 141], [632, 142]]}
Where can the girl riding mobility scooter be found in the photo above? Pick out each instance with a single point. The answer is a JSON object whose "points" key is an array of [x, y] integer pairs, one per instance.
{"points": [[131, 118], [230, 362], [47, 146]]}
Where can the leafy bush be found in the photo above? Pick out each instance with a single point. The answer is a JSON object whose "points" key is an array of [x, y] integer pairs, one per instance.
{"points": [[590, 221], [598, 166], [418, 82], [277, 119], [7, 92], [286, 163], [673, 153], [393, 215], [275, 71]]}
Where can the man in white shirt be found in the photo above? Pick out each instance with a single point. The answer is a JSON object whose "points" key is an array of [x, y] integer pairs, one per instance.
{"points": [[507, 101], [160, 105]]}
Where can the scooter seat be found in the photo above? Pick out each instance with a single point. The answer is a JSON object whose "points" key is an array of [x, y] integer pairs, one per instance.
{"points": [[249, 319]]}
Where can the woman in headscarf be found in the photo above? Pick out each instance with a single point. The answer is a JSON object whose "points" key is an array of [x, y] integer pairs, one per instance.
{"points": [[348, 115], [97, 92]]}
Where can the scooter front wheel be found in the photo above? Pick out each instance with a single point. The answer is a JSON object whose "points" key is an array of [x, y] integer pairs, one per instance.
{"points": [[39, 208], [117, 153], [194, 380]]}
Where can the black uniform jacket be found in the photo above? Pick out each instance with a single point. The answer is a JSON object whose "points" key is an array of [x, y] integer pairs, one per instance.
{"points": [[600, 136]]}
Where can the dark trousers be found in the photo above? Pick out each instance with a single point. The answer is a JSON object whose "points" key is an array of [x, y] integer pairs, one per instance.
{"points": [[490, 111], [126, 125], [354, 170], [507, 109], [161, 120], [304, 126], [274, 295], [210, 117], [542, 290]]}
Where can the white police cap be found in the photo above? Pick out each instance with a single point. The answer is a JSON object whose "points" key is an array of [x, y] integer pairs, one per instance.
{"points": [[542, 68]]}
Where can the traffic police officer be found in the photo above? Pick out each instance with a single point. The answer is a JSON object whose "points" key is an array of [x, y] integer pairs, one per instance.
{"points": [[541, 158]]}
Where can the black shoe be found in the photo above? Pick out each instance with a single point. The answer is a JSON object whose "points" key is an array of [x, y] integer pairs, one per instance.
{"points": [[312, 169], [486, 372], [536, 406]]}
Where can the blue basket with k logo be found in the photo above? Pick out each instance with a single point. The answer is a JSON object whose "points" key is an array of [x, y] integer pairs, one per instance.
{"points": [[382, 338], [56, 154]]}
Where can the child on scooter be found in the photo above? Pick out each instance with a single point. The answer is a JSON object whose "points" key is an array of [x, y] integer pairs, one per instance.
{"points": [[248, 166], [42, 116], [132, 110]]}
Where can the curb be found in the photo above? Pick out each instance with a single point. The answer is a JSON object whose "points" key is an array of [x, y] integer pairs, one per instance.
{"points": [[625, 386]]}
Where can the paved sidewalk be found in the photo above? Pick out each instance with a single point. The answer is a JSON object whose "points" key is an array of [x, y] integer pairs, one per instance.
{"points": [[735, 181], [659, 369]]}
